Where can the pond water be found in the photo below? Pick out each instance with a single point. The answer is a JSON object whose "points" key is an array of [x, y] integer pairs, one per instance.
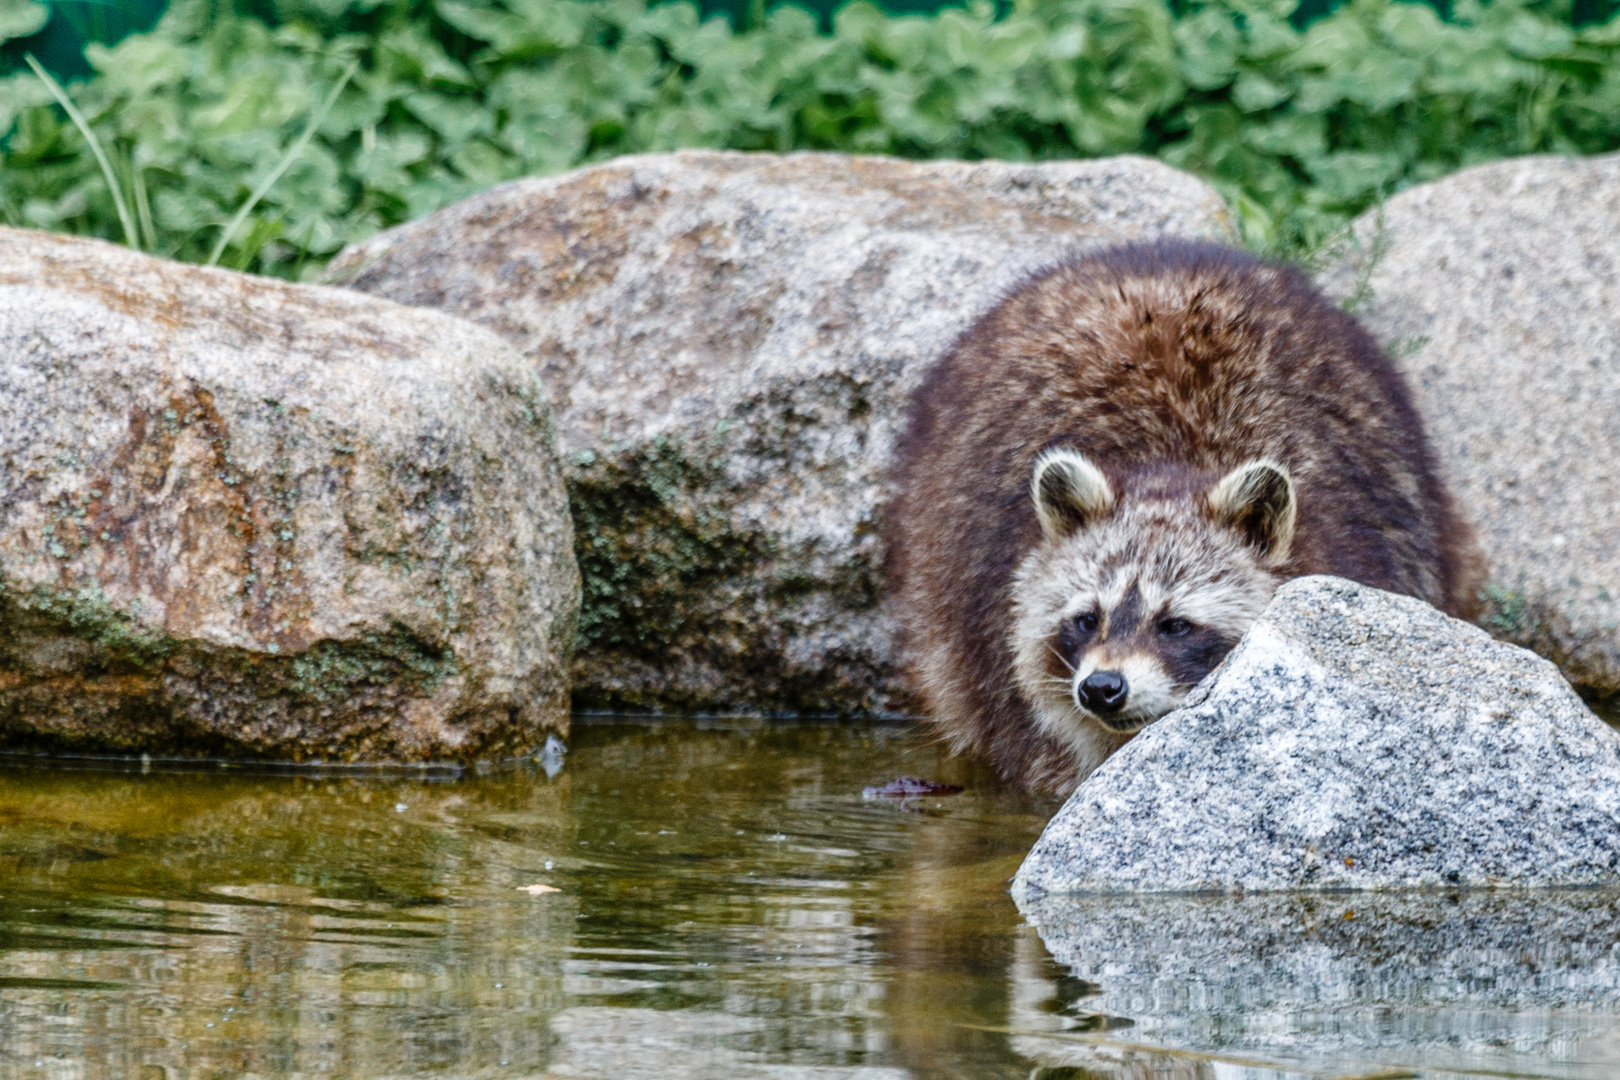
{"points": [[716, 900]]}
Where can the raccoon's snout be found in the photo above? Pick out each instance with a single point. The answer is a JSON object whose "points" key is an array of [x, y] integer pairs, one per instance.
{"points": [[1104, 692]]}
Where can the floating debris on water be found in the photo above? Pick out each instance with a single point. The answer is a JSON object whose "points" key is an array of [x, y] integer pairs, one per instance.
{"points": [[906, 787]]}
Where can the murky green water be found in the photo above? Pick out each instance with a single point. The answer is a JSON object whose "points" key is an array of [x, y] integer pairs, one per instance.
{"points": [[726, 904]]}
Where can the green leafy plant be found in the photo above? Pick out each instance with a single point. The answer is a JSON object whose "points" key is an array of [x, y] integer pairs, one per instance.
{"points": [[22, 18], [1300, 129], [287, 159]]}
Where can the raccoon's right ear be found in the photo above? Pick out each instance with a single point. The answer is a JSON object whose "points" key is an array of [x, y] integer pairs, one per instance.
{"points": [[1069, 492]]}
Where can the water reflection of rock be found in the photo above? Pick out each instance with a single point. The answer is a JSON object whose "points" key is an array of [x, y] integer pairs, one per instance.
{"points": [[1047, 1008], [948, 942], [1482, 980], [730, 907], [162, 926], [606, 1043], [890, 916]]}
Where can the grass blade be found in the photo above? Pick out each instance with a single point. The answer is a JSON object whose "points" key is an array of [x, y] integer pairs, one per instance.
{"points": [[79, 122], [143, 207], [287, 159]]}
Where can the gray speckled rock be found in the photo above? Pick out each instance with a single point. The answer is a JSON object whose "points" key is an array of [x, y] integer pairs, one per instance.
{"points": [[1499, 289], [1354, 739], [245, 517], [730, 340]]}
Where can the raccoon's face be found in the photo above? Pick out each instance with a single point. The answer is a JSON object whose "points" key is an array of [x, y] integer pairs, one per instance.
{"points": [[1129, 601]]}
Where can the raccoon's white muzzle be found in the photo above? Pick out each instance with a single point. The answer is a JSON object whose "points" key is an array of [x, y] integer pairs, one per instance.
{"points": [[1148, 691]]}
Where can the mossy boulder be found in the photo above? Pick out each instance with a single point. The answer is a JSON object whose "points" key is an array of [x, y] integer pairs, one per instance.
{"points": [[244, 517], [730, 340]]}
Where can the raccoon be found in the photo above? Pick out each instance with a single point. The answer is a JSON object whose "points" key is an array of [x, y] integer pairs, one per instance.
{"points": [[1102, 482]]}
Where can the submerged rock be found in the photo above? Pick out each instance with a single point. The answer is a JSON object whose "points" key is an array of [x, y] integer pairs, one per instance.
{"points": [[730, 340], [1354, 739], [1496, 289], [245, 517]]}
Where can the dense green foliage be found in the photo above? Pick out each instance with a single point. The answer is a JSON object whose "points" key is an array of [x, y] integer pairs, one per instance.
{"points": [[1300, 128]]}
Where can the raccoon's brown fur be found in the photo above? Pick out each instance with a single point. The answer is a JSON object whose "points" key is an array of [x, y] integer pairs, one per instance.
{"points": [[1168, 366]]}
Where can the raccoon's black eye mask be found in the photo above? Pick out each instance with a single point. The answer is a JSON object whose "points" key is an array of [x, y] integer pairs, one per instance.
{"points": [[1191, 655], [1183, 639]]}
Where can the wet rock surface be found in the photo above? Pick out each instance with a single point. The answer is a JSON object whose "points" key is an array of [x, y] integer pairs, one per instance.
{"points": [[244, 517], [1496, 289], [1354, 739], [730, 340]]}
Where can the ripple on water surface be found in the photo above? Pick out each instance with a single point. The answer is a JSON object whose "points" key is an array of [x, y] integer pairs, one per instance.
{"points": [[714, 901]]}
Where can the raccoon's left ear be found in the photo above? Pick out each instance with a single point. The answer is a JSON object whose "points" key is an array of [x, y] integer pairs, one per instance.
{"points": [[1257, 499]]}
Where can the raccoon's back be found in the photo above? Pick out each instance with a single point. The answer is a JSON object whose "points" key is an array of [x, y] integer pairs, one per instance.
{"points": [[1170, 351]]}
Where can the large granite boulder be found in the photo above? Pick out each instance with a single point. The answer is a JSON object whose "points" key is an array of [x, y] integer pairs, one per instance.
{"points": [[1498, 290], [246, 517], [1354, 739], [730, 340]]}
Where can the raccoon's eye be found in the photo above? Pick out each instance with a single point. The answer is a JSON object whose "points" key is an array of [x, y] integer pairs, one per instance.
{"points": [[1073, 633], [1175, 627]]}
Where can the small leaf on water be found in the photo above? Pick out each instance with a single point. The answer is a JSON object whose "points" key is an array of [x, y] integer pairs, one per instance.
{"points": [[906, 787]]}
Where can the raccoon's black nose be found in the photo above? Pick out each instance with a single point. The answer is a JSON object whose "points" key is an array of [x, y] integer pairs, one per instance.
{"points": [[1104, 691]]}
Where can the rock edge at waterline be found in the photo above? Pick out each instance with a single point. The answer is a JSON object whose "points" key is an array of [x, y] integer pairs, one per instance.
{"points": [[249, 518], [1355, 739]]}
